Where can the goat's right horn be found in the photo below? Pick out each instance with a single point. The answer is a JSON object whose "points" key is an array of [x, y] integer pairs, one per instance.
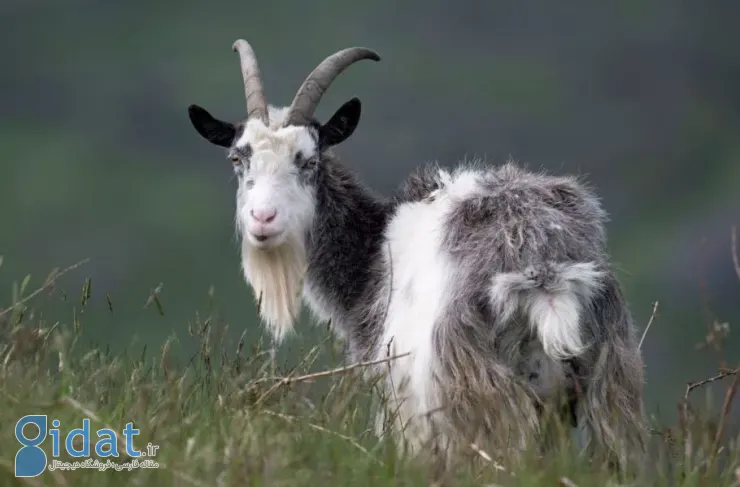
{"points": [[313, 88], [253, 89]]}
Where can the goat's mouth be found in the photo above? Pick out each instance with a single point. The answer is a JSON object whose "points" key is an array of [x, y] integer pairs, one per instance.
{"points": [[264, 239]]}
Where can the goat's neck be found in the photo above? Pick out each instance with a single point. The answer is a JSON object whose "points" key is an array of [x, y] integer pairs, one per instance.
{"points": [[345, 240]]}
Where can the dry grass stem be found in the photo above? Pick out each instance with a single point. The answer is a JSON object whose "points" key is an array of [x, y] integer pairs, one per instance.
{"points": [[50, 281], [735, 259], [694, 385], [484, 455], [338, 370], [650, 322], [727, 404]]}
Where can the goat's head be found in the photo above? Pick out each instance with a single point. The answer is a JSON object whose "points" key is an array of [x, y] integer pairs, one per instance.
{"points": [[276, 153]]}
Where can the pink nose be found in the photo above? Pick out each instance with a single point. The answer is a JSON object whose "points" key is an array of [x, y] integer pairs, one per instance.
{"points": [[264, 216]]}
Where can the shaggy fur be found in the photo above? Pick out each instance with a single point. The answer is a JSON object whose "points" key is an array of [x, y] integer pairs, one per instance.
{"points": [[496, 279]]}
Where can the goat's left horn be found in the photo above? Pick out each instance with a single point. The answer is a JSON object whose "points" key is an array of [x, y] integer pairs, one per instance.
{"points": [[313, 88], [253, 89]]}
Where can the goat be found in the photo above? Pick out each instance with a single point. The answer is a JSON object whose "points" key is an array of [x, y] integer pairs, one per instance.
{"points": [[495, 281]]}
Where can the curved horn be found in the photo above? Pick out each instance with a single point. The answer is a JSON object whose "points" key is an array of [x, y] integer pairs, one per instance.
{"points": [[313, 88], [253, 89]]}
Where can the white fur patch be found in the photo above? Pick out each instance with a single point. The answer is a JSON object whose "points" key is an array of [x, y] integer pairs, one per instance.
{"points": [[284, 142], [276, 277], [423, 282], [464, 183], [554, 312]]}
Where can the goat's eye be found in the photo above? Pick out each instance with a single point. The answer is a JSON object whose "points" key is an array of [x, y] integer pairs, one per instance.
{"points": [[304, 163], [235, 160]]}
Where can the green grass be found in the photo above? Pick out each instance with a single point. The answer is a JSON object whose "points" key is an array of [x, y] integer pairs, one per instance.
{"points": [[223, 416]]}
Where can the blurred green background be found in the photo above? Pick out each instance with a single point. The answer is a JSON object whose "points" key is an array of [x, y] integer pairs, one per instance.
{"points": [[99, 160]]}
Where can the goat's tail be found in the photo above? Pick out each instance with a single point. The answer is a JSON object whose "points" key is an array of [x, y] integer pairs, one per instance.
{"points": [[553, 297]]}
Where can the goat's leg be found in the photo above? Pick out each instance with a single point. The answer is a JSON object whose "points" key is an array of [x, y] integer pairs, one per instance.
{"points": [[611, 410]]}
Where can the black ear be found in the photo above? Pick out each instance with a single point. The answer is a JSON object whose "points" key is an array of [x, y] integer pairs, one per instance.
{"points": [[341, 125], [213, 130]]}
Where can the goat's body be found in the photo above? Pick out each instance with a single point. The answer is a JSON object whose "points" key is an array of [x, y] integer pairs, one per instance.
{"points": [[494, 281], [497, 283]]}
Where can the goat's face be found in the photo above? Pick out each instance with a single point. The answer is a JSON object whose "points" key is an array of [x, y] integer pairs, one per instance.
{"points": [[277, 155], [276, 168], [275, 197]]}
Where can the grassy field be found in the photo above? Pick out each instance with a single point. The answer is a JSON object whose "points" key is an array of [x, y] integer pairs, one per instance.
{"points": [[231, 416]]}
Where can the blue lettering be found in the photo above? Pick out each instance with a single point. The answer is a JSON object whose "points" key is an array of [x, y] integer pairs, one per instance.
{"points": [[85, 433], [107, 437], [129, 432], [54, 433], [30, 461]]}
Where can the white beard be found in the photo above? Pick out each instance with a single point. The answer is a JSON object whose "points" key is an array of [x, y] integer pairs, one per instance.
{"points": [[276, 277]]}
